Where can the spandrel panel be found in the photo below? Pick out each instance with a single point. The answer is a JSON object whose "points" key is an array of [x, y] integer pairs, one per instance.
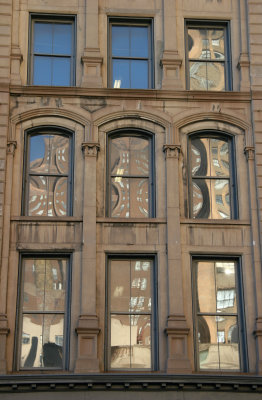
{"points": [[129, 156], [197, 43], [121, 74], [130, 341], [42, 38], [211, 198], [47, 196], [62, 39], [216, 76], [44, 285], [139, 74], [120, 285], [42, 70], [38, 347], [140, 286], [49, 154], [129, 197], [139, 41], [206, 287]]}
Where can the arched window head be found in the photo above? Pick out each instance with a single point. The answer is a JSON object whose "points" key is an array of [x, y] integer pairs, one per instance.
{"points": [[130, 171], [48, 174], [212, 188]]}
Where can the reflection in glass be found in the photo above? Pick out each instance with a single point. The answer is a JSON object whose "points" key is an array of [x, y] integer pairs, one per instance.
{"points": [[43, 309], [217, 315], [129, 168], [130, 313], [48, 175]]}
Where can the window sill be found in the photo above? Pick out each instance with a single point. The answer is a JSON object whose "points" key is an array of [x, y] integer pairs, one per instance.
{"points": [[46, 219], [111, 220], [223, 222]]}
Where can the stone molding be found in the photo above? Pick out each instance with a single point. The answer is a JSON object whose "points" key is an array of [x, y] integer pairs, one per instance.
{"points": [[172, 150], [11, 146], [87, 332], [249, 152], [90, 149], [92, 63]]}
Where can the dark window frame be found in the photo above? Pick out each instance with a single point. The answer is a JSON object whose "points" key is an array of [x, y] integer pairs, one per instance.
{"points": [[220, 135], [45, 130], [211, 24], [129, 21], [243, 352], [67, 309], [51, 18], [133, 132], [154, 309]]}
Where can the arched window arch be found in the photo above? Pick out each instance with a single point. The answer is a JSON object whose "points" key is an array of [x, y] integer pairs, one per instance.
{"points": [[130, 174], [48, 172], [212, 188]]}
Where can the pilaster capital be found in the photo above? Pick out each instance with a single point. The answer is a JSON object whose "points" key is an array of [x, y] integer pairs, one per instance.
{"points": [[90, 149], [11, 146], [172, 150], [249, 152]]}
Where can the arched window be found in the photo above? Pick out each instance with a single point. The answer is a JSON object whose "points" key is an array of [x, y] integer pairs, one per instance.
{"points": [[212, 176], [130, 172], [48, 174]]}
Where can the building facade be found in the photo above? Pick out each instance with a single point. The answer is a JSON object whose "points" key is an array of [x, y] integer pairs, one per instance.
{"points": [[130, 191]]}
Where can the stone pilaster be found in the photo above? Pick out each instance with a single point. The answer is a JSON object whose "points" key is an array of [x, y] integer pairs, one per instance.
{"points": [[88, 329], [177, 329]]}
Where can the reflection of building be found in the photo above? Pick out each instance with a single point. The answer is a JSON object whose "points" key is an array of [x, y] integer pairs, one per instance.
{"points": [[130, 199]]}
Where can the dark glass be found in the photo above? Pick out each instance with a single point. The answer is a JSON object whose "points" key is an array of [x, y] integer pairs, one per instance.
{"points": [[120, 41], [62, 39], [61, 71], [42, 70], [43, 38]]}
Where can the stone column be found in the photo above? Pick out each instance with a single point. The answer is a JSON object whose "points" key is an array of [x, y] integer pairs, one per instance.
{"points": [[256, 255], [91, 59], [177, 330], [4, 330], [87, 329], [171, 61], [243, 63], [16, 56]]}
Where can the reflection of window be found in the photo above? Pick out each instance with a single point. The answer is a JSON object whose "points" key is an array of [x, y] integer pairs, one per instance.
{"points": [[217, 317], [130, 316], [43, 313], [208, 61], [131, 54], [52, 51], [48, 174], [130, 182], [212, 185]]}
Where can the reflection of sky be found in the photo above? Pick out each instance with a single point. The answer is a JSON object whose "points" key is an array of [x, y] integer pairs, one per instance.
{"points": [[37, 147]]}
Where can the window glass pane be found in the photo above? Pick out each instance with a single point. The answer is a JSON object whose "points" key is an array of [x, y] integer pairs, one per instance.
{"points": [[121, 74], [129, 156], [198, 75], [129, 197], [140, 286], [216, 76], [197, 43], [206, 287], [49, 153], [42, 38], [44, 285], [42, 70], [61, 71], [47, 196], [139, 41], [217, 44], [120, 285], [121, 341], [139, 74], [120, 41], [62, 39], [225, 287]]}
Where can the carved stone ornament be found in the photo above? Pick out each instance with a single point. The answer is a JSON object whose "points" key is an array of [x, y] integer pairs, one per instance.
{"points": [[11, 146], [249, 152], [172, 150], [90, 149]]}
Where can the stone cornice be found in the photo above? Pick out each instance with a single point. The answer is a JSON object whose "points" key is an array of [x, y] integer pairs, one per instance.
{"points": [[152, 94]]}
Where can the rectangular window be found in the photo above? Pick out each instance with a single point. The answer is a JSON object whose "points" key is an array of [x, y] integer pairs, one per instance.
{"points": [[130, 313], [218, 318], [52, 51], [131, 54], [43, 318], [208, 56], [48, 174]]}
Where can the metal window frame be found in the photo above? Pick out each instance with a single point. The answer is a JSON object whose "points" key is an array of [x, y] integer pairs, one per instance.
{"points": [[41, 131], [19, 309], [132, 21], [52, 19], [209, 24], [243, 353], [220, 135], [154, 313], [143, 134]]}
